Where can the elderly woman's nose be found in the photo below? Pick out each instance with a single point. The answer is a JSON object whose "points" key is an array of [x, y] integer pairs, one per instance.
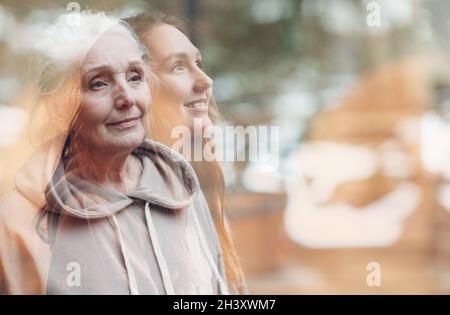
{"points": [[124, 96], [202, 82]]}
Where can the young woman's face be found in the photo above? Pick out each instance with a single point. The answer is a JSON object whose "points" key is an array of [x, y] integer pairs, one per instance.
{"points": [[115, 97], [183, 86]]}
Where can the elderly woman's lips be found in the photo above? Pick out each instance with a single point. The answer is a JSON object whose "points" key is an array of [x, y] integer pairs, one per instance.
{"points": [[125, 123]]}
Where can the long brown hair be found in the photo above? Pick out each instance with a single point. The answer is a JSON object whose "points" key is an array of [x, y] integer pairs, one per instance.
{"points": [[209, 172]]}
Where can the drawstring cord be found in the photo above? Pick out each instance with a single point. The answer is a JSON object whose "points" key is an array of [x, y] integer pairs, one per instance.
{"points": [[168, 286], [130, 272], [167, 282]]}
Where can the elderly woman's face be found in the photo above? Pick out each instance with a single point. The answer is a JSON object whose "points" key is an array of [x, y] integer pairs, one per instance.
{"points": [[184, 86], [115, 96]]}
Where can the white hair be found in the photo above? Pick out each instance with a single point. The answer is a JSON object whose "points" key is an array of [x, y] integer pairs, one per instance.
{"points": [[73, 34], [66, 42]]}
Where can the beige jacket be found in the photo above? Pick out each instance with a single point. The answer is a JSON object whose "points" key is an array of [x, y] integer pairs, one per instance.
{"points": [[60, 234]]}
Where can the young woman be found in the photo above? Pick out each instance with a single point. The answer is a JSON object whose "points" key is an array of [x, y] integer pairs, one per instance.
{"points": [[183, 96], [99, 209]]}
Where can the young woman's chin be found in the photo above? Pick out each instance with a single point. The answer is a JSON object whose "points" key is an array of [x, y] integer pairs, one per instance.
{"points": [[198, 123]]}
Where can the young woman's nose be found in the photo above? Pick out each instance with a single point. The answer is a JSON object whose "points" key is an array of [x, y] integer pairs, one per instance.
{"points": [[202, 82], [124, 95]]}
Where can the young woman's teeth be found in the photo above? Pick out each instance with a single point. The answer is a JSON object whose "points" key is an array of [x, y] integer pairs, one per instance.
{"points": [[196, 105]]}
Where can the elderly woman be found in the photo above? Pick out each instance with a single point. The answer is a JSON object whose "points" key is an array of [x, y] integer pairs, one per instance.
{"points": [[98, 209]]}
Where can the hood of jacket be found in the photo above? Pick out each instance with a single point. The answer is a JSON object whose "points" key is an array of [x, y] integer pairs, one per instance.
{"points": [[44, 181]]}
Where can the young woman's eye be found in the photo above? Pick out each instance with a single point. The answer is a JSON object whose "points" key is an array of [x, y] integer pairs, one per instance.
{"points": [[199, 64], [178, 67]]}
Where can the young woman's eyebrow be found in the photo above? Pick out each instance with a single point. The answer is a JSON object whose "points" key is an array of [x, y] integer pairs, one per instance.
{"points": [[180, 55]]}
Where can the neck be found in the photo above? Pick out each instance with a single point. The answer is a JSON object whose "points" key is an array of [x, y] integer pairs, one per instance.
{"points": [[106, 168]]}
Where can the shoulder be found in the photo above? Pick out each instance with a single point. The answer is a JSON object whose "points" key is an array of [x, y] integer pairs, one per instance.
{"points": [[16, 211]]}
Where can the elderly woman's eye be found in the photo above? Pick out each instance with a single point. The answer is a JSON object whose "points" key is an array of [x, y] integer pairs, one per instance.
{"points": [[97, 85], [136, 77]]}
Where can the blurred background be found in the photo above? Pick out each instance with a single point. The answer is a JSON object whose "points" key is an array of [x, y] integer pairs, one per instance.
{"points": [[360, 201]]}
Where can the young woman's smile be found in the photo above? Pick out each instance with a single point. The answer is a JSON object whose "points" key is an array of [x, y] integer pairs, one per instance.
{"points": [[184, 86]]}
